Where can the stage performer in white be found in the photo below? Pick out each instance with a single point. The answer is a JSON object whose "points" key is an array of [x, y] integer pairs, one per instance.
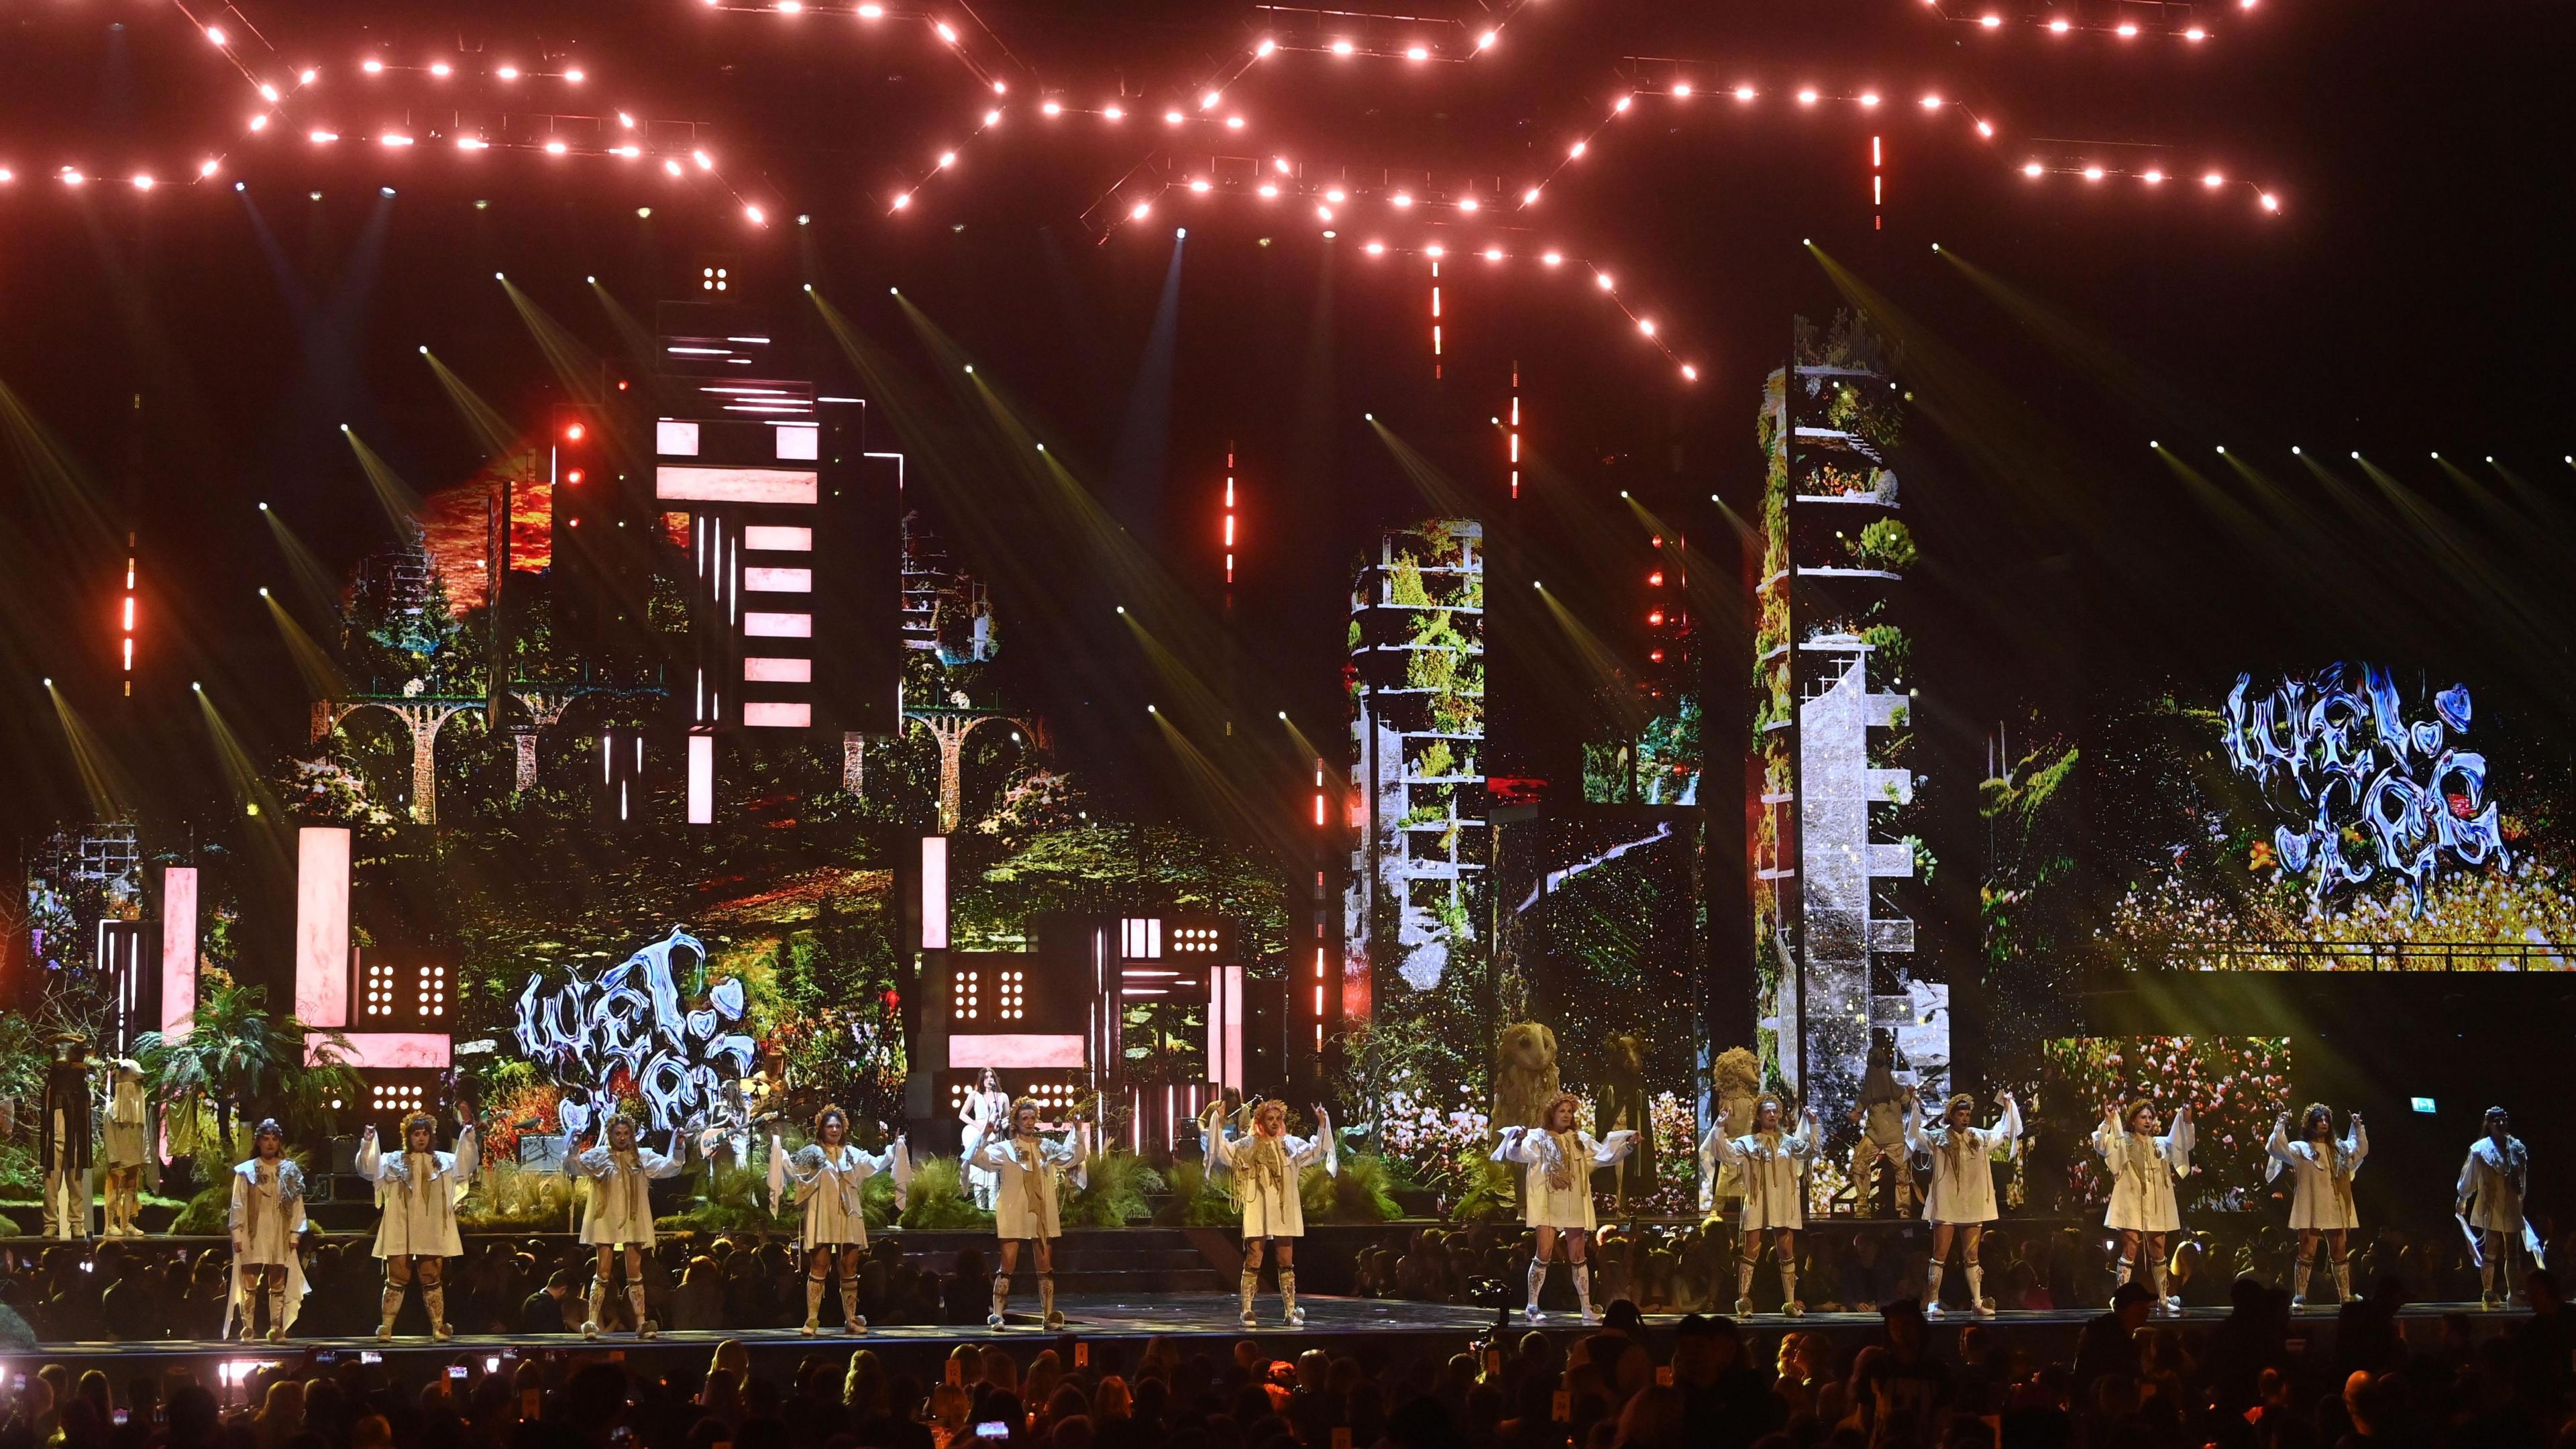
{"points": [[829, 1173], [2321, 1170], [1960, 1200], [2492, 1182], [1772, 1163], [1556, 1191], [418, 1189], [129, 1148], [2144, 1168], [1267, 1165], [986, 1114], [266, 1219], [620, 1214], [1029, 1168]]}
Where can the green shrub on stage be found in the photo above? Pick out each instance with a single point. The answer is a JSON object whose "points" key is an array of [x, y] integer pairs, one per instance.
{"points": [[1363, 1193], [1120, 1185], [1198, 1201], [938, 1198]]}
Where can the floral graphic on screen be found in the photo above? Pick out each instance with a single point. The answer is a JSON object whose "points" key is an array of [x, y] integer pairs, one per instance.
{"points": [[2363, 792]]}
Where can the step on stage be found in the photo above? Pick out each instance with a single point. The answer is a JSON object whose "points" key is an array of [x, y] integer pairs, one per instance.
{"points": [[1382, 1327]]}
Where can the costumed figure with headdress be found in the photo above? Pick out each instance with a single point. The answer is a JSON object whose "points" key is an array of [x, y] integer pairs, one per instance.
{"points": [[1735, 1084], [621, 1170], [2144, 1168], [128, 1148], [417, 1189], [1880, 1116], [1268, 1166], [64, 1148], [267, 1218], [1772, 1160], [1030, 1170], [830, 1173], [1960, 1199], [984, 1115], [1558, 1160], [2321, 1170], [2492, 1182]]}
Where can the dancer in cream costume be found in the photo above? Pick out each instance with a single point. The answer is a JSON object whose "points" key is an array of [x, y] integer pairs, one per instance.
{"points": [[829, 1174], [1773, 1164], [2492, 1182], [266, 1220], [128, 1150], [621, 1170], [2321, 1171], [1029, 1171], [2144, 1168], [418, 1188], [1267, 1165], [1556, 1191], [1960, 1200]]}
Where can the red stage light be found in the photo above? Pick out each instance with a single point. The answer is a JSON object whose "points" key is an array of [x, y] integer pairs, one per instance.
{"points": [[573, 432]]}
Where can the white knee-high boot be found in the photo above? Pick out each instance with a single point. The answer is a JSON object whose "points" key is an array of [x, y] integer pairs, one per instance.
{"points": [[1537, 1281]]}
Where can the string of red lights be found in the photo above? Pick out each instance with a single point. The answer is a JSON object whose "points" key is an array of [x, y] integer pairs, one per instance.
{"points": [[2181, 21]]}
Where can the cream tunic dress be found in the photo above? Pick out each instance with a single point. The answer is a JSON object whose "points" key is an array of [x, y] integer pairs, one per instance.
{"points": [[2491, 1185], [267, 1217], [2143, 1173], [1556, 1181], [1267, 1173], [418, 1192], [1027, 1170], [1962, 1186], [2321, 1181], [621, 1211], [127, 1138], [1771, 1164], [828, 1183]]}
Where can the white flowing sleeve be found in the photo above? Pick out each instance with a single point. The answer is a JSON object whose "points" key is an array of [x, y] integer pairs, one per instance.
{"points": [[1212, 1139], [2467, 1192], [1607, 1152], [901, 1152], [2276, 1151], [1801, 1144], [2179, 1142], [239, 1216], [469, 1161], [1511, 1148], [1318, 1149], [2106, 1141], [2356, 1146], [572, 1154], [1914, 1128], [371, 1156], [2007, 1132], [656, 1165]]}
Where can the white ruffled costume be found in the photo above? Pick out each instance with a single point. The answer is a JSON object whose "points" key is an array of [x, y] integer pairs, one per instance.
{"points": [[829, 1188], [1961, 1189], [417, 1193], [620, 1214], [1268, 1173], [2143, 1172], [1773, 1166], [2320, 1196], [2492, 1182], [1029, 1173], [1556, 1192], [266, 1219]]}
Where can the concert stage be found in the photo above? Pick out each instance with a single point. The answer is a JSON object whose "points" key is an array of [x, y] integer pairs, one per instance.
{"points": [[1386, 1328]]}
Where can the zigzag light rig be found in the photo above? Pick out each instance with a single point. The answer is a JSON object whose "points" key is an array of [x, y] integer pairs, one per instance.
{"points": [[2212, 180], [2176, 21], [1134, 204], [1679, 88]]}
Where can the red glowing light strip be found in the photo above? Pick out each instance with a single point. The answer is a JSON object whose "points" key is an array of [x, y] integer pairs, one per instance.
{"points": [[1991, 18], [2210, 180]]}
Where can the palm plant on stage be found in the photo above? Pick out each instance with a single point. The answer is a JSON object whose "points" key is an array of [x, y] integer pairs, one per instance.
{"points": [[234, 1057], [938, 1198], [1363, 1192], [1198, 1199], [514, 1198]]}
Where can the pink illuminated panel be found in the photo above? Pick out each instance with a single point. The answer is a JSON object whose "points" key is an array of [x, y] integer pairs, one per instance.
{"points": [[777, 538], [702, 779], [1008, 1050], [178, 948], [322, 926], [691, 483], [389, 1049], [934, 892], [775, 714], [760, 580], [778, 671], [759, 625]]}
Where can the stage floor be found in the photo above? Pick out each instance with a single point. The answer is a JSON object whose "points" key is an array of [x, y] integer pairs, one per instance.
{"points": [[1207, 1316]]}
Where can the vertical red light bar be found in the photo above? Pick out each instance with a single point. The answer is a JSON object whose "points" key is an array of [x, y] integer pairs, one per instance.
{"points": [[1435, 321], [1515, 433], [129, 616], [1877, 184], [1229, 518]]}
